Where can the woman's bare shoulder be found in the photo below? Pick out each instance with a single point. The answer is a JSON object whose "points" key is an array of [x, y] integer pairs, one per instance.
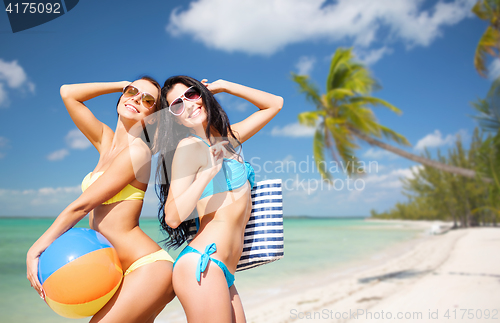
{"points": [[191, 152], [139, 149], [189, 142]]}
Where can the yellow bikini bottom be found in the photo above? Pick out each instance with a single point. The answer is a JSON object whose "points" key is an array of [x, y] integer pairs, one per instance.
{"points": [[148, 259]]}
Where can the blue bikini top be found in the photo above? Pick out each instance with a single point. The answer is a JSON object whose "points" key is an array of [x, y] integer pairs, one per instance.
{"points": [[232, 175]]}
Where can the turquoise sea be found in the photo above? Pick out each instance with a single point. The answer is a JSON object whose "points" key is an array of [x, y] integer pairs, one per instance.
{"points": [[311, 245]]}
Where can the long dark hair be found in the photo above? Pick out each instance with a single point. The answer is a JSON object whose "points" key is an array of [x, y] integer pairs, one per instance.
{"points": [[170, 133]]}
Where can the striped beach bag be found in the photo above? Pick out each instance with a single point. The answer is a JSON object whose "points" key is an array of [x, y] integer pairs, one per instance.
{"points": [[263, 241]]}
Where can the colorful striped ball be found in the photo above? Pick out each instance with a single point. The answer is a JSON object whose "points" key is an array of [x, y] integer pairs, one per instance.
{"points": [[80, 272]]}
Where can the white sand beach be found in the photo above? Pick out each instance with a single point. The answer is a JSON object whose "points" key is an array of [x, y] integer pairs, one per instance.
{"points": [[452, 277]]}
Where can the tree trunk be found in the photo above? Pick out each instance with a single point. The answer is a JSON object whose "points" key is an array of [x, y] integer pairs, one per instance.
{"points": [[419, 159], [452, 211]]}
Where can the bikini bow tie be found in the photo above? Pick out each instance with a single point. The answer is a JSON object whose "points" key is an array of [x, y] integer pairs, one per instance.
{"points": [[203, 261]]}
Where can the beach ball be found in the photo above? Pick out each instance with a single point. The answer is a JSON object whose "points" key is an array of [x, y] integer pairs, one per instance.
{"points": [[80, 272]]}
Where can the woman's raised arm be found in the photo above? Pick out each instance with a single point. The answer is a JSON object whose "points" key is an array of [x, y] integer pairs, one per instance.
{"points": [[73, 96], [269, 105]]}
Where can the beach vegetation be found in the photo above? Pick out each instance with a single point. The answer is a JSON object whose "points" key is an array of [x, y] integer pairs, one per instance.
{"points": [[489, 43], [436, 195], [488, 109], [489, 151], [343, 116]]}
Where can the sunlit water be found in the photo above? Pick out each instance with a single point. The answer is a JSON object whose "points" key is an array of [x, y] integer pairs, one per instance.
{"points": [[311, 244]]}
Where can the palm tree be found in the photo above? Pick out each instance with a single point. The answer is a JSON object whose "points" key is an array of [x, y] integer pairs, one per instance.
{"points": [[343, 115], [436, 195], [489, 43]]}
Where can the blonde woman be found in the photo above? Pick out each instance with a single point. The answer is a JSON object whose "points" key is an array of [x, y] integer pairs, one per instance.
{"points": [[113, 196]]}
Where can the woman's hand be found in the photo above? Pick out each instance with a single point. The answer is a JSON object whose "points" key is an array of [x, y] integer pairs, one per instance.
{"points": [[123, 84], [32, 273], [217, 153], [215, 87], [192, 171]]}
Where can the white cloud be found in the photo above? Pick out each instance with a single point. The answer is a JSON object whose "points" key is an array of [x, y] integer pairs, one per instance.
{"points": [[293, 130], [407, 172], [306, 194], [76, 140], [12, 75], [46, 196], [4, 100], [379, 154], [370, 57], [436, 139], [241, 106], [266, 26], [58, 155], [372, 188], [395, 177], [305, 65], [3, 142], [494, 69], [230, 102], [391, 179], [45, 191]]}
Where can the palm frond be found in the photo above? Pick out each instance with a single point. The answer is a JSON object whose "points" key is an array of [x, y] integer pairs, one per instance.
{"points": [[319, 156], [488, 44], [348, 74], [309, 89], [338, 68], [483, 9], [338, 94], [310, 118], [394, 136], [344, 141], [488, 124], [489, 109], [360, 118], [360, 80], [481, 106], [375, 102]]}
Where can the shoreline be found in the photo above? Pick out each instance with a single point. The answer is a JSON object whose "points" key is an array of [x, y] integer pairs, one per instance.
{"points": [[297, 289], [436, 274], [331, 286]]}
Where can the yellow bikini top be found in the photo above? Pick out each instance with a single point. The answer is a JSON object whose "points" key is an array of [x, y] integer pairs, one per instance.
{"points": [[128, 193]]}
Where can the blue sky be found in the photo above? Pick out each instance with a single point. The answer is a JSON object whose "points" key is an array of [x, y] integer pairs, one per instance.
{"points": [[420, 51]]}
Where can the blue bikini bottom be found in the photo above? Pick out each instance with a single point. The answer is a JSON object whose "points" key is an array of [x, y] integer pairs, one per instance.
{"points": [[203, 262]]}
